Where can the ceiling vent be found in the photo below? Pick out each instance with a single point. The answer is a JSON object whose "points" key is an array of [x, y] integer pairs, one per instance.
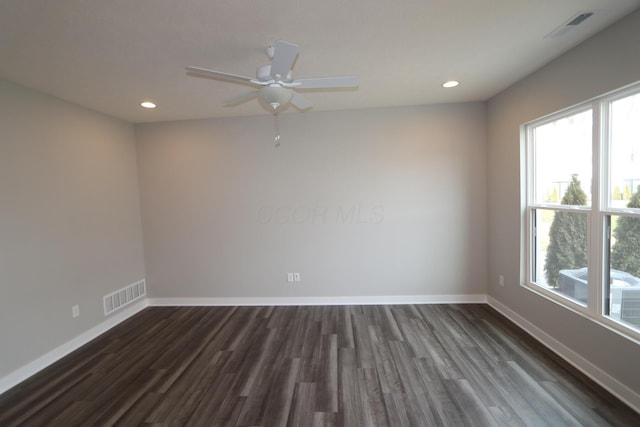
{"points": [[569, 25]]}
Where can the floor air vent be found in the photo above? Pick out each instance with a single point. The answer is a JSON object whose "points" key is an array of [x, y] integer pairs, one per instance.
{"points": [[124, 297]]}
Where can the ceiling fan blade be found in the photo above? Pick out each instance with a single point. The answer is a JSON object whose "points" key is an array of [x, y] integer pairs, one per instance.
{"points": [[225, 76], [241, 98], [300, 102], [327, 82], [283, 56]]}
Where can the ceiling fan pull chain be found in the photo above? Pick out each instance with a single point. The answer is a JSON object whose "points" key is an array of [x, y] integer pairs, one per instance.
{"points": [[276, 128]]}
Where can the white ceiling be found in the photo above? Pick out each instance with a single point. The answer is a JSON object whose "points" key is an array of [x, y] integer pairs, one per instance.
{"points": [[110, 55]]}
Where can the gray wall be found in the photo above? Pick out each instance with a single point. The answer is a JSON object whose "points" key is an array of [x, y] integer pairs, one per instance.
{"points": [[361, 203], [603, 63], [69, 220]]}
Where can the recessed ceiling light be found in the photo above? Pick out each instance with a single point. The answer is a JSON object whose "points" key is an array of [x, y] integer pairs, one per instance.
{"points": [[450, 83], [147, 104]]}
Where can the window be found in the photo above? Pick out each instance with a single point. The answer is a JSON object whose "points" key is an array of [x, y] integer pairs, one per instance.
{"points": [[583, 208]]}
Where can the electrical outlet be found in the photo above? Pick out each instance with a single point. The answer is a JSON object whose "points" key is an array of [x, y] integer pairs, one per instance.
{"points": [[75, 311], [501, 280], [296, 277], [289, 277]]}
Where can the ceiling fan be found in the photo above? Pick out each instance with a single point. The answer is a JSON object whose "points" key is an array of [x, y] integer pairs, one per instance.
{"points": [[274, 82]]}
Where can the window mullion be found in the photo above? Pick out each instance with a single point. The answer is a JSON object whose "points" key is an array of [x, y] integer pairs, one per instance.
{"points": [[595, 247]]}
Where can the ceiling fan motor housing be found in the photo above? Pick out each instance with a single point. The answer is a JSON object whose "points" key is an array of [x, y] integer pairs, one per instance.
{"points": [[264, 73]]}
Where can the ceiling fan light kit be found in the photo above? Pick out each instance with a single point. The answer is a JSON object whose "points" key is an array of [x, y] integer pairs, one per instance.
{"points": [[275, 95]]}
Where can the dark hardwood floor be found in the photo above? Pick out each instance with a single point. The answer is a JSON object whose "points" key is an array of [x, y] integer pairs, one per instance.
{"points": [[408, 365]]}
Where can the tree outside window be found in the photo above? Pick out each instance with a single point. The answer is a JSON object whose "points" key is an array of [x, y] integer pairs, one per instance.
{"points": [[568, 237], [625, 254]]}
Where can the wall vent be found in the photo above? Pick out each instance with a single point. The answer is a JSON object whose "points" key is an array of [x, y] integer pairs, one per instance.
{"points": [[123, 297]]}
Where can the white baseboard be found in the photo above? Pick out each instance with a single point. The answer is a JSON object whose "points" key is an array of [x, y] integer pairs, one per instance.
{"points": [[352, 300], [609, 383], [58, 353]]}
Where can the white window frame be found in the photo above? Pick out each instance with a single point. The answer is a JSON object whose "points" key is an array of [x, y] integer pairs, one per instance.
{"points": [[597, 212]]}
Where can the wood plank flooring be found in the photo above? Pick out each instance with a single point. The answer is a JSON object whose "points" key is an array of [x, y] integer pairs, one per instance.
{"points": [[406, 365]]}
